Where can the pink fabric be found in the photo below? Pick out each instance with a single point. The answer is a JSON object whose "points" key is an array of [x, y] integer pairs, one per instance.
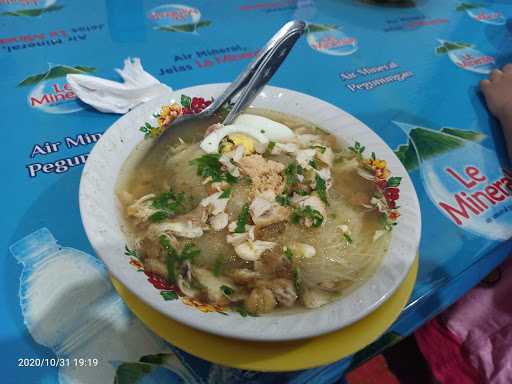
{"points": [[482, 321], [442, 351]]}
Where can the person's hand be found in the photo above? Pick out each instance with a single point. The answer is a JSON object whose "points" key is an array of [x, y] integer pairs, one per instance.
{"points": [[498, 93]]}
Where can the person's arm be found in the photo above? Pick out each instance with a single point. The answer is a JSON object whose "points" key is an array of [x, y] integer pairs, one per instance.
{"points": [[498, 95]]}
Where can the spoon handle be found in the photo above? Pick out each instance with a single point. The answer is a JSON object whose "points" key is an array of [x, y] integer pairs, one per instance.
{"points": [[278, 48], [243, 79]]}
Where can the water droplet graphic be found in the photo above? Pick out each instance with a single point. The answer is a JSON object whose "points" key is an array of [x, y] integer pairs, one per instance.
{"points": [[466, 57], [54, 96], [466, 182], [486, 15], [330, 40], [69, 305]]}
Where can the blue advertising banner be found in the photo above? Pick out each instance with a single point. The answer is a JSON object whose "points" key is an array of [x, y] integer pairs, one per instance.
{"points": [[409, 72]]}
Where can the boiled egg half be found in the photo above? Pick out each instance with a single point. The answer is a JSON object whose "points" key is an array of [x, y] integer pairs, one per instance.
{"points": [[246, 130]]}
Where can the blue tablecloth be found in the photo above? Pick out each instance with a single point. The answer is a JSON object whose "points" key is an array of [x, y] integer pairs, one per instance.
{"points": [[410, 73]]}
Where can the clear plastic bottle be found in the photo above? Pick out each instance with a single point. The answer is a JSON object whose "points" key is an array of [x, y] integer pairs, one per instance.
{"points": [[70, 306]]}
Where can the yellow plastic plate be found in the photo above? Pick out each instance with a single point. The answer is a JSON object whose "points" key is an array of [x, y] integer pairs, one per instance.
{"points": [[275, 356]]}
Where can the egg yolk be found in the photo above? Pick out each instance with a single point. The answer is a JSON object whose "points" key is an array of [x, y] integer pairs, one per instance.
{"points": [[231, 141]]}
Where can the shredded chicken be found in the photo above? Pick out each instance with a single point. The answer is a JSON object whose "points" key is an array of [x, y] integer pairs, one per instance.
{"points": [[249, 229], [245, 276], [307, 139], [325, 174], [156, 230], [325, 155], [183, 229], [314, 202], [189, 225], [217, 186], [259, 206], [314, 298], [296, 199], [197, 216], [266, 211], [261, 300], [229, 160], [276, 215], [280, 148], [225, 160], [155, 266], [237, 153], [141, 209], [305, 156], [265, 174], [212, 284], [302, 250], [284, 291], [273, 263], [252, 250], [185, 287], [214, 206], [214, 203], [237, 238], [219, 221]]}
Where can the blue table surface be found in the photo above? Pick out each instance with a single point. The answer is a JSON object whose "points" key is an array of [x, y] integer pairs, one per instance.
{"points": [[411, 73]]}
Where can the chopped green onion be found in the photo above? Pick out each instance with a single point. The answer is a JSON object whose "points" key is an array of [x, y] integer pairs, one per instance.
{"points": [[227, 290], [225, 194], [243, 311], [297, 280], [288, 253], [283, 200], [209, 166], [217, 265], [270, 147], [321, 188], [242, 220], [307, 212]]}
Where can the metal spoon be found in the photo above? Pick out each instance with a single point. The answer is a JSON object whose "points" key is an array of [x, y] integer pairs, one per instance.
{"points": [[264, 72], [253, 78]]}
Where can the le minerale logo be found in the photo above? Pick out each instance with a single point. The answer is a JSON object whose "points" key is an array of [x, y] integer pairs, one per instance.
{"points": [[482, 13], [463, 179], [27, 8], [488, 193], [50, 91], [465, 56], [330, 39], [176, 18]]}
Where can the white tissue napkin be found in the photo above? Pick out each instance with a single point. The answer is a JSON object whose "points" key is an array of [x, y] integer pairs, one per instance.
{"points": [[111, 96]]}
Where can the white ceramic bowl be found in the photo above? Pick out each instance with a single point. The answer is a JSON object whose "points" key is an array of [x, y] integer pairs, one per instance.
{"points": [[101, 219]]}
